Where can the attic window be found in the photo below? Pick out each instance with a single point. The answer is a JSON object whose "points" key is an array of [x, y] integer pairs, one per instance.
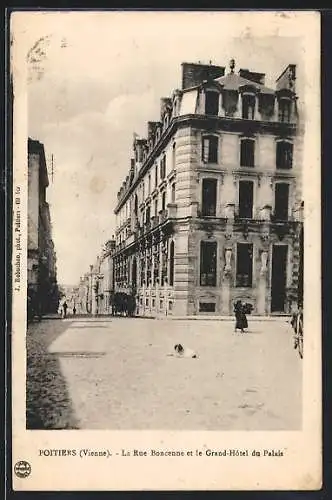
{"points": [[211, 103]]}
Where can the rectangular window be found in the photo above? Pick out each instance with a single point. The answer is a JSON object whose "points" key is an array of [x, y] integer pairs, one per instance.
{"points": [[210, 149], [247, 153], [163, 201], [208, 270], [173, 193], [156, 208], [173, 156], [209, 197], [244, 265], [147, 215], [211, 103], [207, 307], [163, 167], [284, 155], [281, 201], [246, 199], [156, 176]]}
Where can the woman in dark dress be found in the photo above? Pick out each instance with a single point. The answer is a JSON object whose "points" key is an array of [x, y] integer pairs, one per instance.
{"points": [[240, 317]]}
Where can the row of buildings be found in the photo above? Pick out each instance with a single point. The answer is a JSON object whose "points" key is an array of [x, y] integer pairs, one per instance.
{"points": [[211, 209], [42, 271]]}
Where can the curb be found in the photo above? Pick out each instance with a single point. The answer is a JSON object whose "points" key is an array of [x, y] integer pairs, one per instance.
{"points": [[215, 318]]}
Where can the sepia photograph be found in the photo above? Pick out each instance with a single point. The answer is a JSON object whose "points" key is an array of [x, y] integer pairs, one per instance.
{"points": [[166, 199]]}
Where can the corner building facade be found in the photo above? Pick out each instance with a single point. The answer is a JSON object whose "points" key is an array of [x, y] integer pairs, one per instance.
{"points": [[211, 210]]}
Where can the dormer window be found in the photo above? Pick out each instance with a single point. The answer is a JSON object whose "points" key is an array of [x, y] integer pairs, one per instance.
{"points": [[247, 153], [248, 106], [210, 149], [211, 103], [284, 110], [284, 156], [166, 121]]}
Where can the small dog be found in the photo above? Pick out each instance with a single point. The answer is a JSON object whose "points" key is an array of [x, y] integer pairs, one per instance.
{"points": [[183, 352]]}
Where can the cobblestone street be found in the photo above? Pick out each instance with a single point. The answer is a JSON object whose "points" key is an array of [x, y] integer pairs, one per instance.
{"points": [[118, 375]]}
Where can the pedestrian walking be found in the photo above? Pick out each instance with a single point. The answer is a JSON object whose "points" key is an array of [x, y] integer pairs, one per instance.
{"points": [[74, 310], [64, 308], [241, 321]]}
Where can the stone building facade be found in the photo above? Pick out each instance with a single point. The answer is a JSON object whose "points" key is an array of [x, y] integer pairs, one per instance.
{"points": [[210, 211], [95, 289], [42, 271]]}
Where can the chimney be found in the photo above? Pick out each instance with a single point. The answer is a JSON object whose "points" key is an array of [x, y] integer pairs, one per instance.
{"points": [[194, 74], [252, 76], [152, 127], [287, 78]]}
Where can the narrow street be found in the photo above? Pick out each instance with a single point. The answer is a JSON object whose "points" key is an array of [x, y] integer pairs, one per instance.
{"points": [[114, 373]]}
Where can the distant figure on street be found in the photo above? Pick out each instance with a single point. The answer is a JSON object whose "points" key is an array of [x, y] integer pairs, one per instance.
{"points": [[74, 310], [297, 324], [240, 317], [64, 308], [183, 352]]}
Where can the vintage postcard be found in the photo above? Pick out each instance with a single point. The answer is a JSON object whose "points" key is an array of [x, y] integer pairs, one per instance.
{"points": [[166, 227]]}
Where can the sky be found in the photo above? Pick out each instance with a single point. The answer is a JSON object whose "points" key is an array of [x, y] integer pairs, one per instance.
{"points": [[95, 78]]}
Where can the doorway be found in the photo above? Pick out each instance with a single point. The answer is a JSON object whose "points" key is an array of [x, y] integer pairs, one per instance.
{"points": [[278, 281], [134, 276]]}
